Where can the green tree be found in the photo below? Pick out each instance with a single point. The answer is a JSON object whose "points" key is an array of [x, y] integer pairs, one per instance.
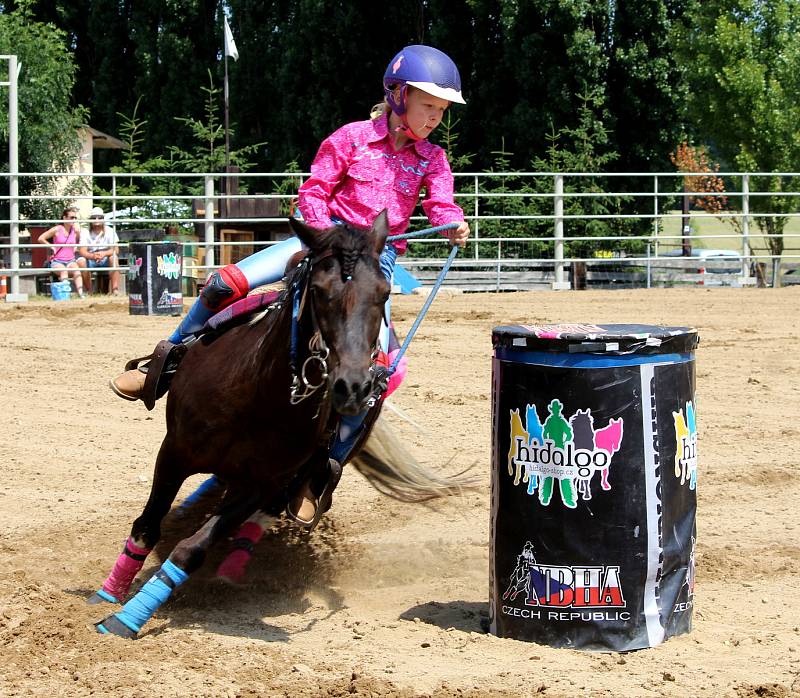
{"points": [[317, 65], [645, 93], [741, 59], [527, 63], [48, 120], [208, 155], [587, 148]]}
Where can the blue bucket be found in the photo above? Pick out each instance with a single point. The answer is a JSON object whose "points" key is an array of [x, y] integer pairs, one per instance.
{"points": [[60, 290]]}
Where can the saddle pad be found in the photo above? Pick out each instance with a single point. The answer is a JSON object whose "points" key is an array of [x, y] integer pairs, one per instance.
{"points": [[237, 311]]}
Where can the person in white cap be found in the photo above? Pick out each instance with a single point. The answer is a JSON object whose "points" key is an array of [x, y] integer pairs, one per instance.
{"points": [[99, 249]]}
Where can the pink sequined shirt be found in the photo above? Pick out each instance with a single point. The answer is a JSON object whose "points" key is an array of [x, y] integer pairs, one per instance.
{"points": [[357, 173]]}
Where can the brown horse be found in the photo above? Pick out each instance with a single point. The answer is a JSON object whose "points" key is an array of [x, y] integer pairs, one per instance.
{"points": [[257, 407]]}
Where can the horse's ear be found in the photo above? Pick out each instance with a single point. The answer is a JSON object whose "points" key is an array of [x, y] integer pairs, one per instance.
{"points": [[308, 236], [380, 229]]}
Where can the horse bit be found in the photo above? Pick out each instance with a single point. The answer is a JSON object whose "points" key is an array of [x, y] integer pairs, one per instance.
{"points": [[301, 387]]}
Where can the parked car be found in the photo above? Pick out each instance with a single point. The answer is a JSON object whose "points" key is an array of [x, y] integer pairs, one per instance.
{"points": [[708, 263], [790, 274]]}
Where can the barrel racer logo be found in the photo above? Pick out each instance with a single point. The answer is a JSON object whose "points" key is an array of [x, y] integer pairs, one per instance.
{"points": [[686, 445], [568, 592], [568, 450]]}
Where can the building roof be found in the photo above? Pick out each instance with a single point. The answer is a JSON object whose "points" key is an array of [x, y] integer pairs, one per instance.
{"points": [[103, 140]]}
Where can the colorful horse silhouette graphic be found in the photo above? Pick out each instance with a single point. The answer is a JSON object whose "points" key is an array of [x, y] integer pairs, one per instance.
{"points": [[608, 439], [535, 448], [520, 577], [557, 430], [535, 435], [517, 433], [685, 435], [582, 424]]}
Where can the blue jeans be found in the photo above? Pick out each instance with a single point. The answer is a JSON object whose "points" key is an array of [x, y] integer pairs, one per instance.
{"points": [[266, 267]]}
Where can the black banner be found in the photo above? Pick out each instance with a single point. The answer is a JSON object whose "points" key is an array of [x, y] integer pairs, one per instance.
{"points": [[154, 278]]}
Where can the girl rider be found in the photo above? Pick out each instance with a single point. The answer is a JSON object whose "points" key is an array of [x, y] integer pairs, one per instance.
{"points": [[359, 170]]}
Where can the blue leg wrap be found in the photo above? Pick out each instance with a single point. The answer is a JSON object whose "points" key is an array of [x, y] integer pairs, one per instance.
{"points": [[204, 488], [149, 598], [103, 594], [192, 322]]}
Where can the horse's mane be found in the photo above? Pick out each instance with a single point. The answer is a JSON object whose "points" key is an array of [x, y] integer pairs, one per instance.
{"points": [[348, 244]]}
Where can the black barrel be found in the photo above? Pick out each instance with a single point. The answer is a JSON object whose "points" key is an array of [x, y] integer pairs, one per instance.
{"points": [[154, 278], [593, 484]]}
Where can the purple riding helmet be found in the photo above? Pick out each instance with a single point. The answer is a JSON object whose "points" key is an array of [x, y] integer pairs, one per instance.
{"points": [[425, 68]]}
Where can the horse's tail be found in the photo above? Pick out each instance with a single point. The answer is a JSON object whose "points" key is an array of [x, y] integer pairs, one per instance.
{"points": [[392, 470]]}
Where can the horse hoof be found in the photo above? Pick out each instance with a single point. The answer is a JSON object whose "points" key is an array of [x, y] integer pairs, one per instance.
{"points": [[114, 626], [101, 596]]}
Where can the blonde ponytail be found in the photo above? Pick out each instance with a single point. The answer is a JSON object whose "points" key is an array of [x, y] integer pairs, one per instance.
{"points": [[379, 110]]}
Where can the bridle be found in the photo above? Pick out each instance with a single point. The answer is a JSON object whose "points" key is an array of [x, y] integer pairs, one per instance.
{"points": [[301, 386]]}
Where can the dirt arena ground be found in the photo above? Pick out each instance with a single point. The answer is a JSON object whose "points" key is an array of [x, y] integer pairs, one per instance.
{"points": [[386, 599]]}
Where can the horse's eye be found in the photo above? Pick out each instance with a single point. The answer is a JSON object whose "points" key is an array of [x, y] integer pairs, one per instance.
{"points": [[321, 293]]}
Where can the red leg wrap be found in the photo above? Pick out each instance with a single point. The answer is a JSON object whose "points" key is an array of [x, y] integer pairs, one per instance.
{"points": [[233, 566]]}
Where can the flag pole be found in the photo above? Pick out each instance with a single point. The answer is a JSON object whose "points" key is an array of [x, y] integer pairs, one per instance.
{"points": [[227, 118], [229, 50]]}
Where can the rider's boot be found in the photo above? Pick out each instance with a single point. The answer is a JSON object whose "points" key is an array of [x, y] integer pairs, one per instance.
{"points": [[303, 506], [222, 288], [315, 495], [130, 384]]}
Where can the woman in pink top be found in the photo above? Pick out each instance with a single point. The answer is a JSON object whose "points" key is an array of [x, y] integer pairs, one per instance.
{"points": [[361, 169], [62, 238]]}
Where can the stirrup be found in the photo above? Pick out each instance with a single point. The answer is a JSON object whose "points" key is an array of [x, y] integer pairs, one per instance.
{"points": [[323, 501], [159, 369]]}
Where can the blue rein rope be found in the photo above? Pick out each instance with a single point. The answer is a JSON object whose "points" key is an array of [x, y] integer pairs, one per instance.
{"points": [[422, 312], [420, 233], [439, 279]]}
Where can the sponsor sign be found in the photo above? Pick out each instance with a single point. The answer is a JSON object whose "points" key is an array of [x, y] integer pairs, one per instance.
{"points": [[154, 270], [593, 488]]}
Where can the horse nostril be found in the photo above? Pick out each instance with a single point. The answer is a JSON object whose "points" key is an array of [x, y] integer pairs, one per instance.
{"points": [[357, 391], [340, 389]]}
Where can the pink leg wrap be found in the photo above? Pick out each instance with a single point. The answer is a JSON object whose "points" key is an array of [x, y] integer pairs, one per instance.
{"points": [[125, 569], [233, 566]]}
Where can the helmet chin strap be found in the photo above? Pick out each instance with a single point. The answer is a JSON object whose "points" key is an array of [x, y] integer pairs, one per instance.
{"points": [[405, 127], [400, 108], [407, 130]]}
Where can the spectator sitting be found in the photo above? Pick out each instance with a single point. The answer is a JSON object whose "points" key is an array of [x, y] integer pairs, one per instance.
{"points": [[99, 249], [64, 237]]}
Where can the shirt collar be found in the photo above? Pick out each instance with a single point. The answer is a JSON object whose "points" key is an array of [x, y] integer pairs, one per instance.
{"points": [[380, 128]]}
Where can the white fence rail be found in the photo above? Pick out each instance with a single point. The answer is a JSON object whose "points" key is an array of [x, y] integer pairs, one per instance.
{"points": [[650, 216]]}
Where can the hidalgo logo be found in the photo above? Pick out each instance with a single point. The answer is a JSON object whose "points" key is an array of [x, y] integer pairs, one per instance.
{"points": [[686, 445], [169, 265], [568, 450], [578, 588]]}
